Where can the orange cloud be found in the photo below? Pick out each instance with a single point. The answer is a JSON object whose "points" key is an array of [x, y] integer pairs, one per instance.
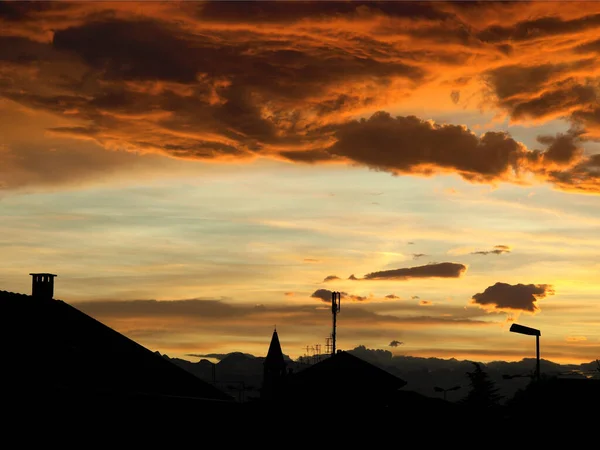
{"points": [[217, 82], [576, 338]]}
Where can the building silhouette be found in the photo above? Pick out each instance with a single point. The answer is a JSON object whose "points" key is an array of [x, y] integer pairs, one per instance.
{"points": [[274, 373], [61, 366], [55, 356]]}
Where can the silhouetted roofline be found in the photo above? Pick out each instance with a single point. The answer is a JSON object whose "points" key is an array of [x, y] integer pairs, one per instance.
{"points": [[64, 324], [342, 357]]}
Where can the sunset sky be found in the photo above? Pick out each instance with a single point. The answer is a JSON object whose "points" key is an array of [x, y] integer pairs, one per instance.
{"points": [[200, 173]]}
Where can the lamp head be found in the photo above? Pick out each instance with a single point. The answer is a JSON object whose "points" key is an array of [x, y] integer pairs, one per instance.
{"points": [[516, 328]]}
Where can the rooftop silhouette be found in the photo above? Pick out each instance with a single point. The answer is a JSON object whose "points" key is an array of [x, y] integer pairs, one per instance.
{"points": [[59, 355], [55, 353]]}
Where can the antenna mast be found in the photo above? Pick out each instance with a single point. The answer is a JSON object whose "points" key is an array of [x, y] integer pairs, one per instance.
{"points": [[328, 345], [336, 299]]}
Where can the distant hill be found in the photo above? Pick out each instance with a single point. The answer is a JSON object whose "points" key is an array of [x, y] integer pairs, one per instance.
{"points": [[241, 374], [238, 374]]}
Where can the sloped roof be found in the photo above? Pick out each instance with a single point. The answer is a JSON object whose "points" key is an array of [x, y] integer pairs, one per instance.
{"points": [[49, 344], [352, 367], [343, 372]]}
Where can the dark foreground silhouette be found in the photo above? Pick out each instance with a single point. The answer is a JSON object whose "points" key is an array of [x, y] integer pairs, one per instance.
{"points": [[67, 377]]}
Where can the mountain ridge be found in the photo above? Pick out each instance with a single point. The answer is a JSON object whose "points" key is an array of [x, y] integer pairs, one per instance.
{"points": [[241, 373]]}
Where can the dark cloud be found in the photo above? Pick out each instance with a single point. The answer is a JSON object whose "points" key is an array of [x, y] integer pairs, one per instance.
{"points": [[518, 297], [20, 50], [441, 270], [583, 177], [395, 343], [309, 156], [196, 85], [415, 297], [22, 11], [538, 28], [497, 250], [562, 149], [455, 96], [411, 145], [392, 296], [589, 118], [121, 50], [325, 295], [589, 47], [564, 97], [288, 12], [352, 277], [425, 302], [331, 278], [418, 255], [537, 91], [512, 80], [564, 163]]}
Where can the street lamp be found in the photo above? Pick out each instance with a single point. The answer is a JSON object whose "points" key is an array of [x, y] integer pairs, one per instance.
{"points": [[439, 389], [516, 328]]}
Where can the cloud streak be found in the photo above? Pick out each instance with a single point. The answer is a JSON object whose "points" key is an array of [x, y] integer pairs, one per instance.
{"points": [[434, 270], [497, 250]]}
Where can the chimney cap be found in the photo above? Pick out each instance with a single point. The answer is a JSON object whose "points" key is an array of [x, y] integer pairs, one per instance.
{"points": [[44, 273]]}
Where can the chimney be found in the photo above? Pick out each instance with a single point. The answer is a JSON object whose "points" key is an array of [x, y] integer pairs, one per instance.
{"points": [[42, 285]]}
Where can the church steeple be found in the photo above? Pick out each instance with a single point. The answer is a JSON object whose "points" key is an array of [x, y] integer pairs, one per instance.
{"points": [[274, 369], [275, 355]]}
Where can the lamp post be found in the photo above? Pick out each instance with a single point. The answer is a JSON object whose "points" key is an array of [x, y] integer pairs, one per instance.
{"points": [[439, 389], [516, 328]]}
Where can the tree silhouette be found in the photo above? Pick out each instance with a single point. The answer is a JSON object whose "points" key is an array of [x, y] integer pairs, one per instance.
{"points": [[483, 393]]}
